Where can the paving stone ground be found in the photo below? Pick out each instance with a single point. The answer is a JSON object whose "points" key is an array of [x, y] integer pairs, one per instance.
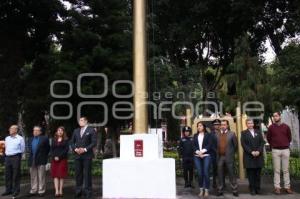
{"points": [[182, 193]]}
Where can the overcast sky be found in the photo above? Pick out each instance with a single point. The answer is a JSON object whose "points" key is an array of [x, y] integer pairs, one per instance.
{"points": [[269, 55]]}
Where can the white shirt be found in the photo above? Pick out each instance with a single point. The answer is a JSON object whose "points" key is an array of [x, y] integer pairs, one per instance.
{"points": [[82, 130], [252, 132], [224, 131], [14, 145], [200, 142]]}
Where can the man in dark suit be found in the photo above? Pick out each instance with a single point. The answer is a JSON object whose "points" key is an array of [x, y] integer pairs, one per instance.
{"points": [[253, 145], [227, 146], [83, 141], [39, 148]]}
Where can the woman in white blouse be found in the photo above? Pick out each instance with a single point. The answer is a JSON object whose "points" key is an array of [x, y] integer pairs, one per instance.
{"points": [[203, 146]]}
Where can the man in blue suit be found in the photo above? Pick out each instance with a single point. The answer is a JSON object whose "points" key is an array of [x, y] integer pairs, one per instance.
{"points": [[39, 148]]}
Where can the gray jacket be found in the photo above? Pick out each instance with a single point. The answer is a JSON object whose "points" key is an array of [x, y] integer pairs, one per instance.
{"points": [[231, 146]]}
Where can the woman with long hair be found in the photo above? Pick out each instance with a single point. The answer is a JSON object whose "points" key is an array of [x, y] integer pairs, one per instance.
{"points": [[59, 164], [203, 148]]}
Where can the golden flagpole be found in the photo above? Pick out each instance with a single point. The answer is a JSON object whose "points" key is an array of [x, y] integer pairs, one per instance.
{"points": [[239, 123], [140, 122]]}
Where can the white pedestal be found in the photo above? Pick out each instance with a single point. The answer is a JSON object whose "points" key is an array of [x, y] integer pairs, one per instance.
{"points": [[150, 176], [139, 178]]}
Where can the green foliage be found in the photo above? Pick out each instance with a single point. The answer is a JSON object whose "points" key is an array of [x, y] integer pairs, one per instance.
{"points": [[285, 77], [247, 80], [192, 48], [98, 41], [27, 31], [42, 41]]}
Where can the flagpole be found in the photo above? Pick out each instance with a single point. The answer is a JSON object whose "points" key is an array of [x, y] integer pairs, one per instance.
{"points": [[140, 122]]}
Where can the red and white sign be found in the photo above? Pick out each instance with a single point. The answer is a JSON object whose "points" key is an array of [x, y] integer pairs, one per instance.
{"points": [[138, 148]]}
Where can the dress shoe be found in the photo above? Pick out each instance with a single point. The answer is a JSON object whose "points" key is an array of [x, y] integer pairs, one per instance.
{"points": [[253, 193], [289, 191], [7, 193], [41, 195], [78, 194], [277, 191], [191, 185], [258, 192], [220, 194], [29, 195], [235, 194], [15, 194]]}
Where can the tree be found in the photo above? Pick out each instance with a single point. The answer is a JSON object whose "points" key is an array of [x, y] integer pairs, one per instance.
{"points": [[202, 34], [27, 30], [278, 21], [285, 76], [197, 42], [97, 40], [247, 80]]}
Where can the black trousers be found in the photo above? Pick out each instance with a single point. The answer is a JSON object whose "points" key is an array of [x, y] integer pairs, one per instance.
{"points": [[83, 175], [253, 175], [214, 166], [13, 173], [188, 170]]}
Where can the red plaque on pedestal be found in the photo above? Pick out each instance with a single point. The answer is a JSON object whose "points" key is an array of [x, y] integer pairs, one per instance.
{"points": [[138, 148]]}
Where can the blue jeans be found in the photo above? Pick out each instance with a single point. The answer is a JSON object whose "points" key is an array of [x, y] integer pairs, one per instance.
{"points": [[202, 166]]}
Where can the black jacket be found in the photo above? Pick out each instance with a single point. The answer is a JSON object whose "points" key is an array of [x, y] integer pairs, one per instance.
{"points": [[185, 148], [59, 149], [208, 143], [214, 144], [88, 141], [249, 144], [41, 156]]}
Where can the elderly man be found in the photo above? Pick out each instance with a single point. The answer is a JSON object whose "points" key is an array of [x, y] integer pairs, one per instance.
{"points": [[15, 146], [253, 144]]}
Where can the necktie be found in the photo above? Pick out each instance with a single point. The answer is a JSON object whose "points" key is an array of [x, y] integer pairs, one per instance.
{"points": [[81, 132], [252, 133]]}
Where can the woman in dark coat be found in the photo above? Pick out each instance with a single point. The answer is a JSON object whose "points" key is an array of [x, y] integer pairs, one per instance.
{"points": [[253, 144], [203, 149], [59, 164]]}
